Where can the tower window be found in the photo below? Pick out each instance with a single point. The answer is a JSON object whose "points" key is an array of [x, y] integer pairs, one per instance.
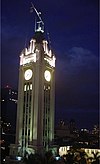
{"points": [[29, 121], [30, 86], [48, 87], [29, 132], [25, 87], [26, 131]]}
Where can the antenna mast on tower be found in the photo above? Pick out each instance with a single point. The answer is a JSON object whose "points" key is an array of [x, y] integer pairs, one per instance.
{"points": [[39, 25]]}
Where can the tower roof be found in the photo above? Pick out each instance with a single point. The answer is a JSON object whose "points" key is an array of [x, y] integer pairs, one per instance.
{"points": [[39, 36]]}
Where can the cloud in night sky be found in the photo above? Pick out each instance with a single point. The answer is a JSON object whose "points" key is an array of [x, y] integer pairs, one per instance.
{"points": [[78, 74], [77, 80], [81, 57]]}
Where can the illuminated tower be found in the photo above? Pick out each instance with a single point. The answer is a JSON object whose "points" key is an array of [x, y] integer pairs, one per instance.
{"points": [[36, 96]]}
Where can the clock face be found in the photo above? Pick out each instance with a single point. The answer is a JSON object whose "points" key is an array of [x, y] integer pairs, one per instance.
{"points": [[47, 75], [28, 74]]}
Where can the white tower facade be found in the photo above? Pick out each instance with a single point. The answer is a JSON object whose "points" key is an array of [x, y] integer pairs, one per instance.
{"points": [[36, 96]]}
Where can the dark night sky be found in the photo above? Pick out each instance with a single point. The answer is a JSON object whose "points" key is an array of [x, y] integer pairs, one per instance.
{"points": [[73, 29]]}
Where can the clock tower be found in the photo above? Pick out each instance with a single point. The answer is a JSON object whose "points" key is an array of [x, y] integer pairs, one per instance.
{"points": [[36, 96]]}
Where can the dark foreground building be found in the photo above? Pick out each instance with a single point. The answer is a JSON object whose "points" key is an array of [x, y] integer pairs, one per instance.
{"points": [[8, 108]]}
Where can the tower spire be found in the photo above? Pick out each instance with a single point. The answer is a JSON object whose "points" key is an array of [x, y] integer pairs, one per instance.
{"points": [[39, 24]]}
